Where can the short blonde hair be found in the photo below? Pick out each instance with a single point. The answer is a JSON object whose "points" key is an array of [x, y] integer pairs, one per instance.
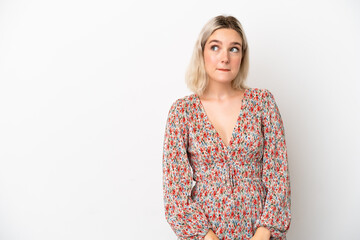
{"points": [[196, 78]]}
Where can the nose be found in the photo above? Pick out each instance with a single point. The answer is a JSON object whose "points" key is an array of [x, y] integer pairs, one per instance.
{"points": [[224, 57]]}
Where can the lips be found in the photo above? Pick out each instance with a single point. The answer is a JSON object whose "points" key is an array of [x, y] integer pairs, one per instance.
{"points": [[223, 69]]}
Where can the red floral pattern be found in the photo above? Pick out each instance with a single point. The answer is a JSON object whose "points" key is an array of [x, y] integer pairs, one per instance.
{"points": [[232, 190]]}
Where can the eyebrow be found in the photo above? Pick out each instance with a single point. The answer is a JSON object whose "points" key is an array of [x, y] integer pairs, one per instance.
{"points": [[235, 43]]}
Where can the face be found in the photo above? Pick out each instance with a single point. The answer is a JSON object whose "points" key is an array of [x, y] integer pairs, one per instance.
{"points": [[222, 55]]}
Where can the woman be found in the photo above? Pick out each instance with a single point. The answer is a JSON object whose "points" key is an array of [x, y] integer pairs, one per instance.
{"points": [[225, 168]]}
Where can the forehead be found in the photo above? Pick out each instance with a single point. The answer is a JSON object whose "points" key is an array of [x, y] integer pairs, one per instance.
{"points": [[225, 35]]}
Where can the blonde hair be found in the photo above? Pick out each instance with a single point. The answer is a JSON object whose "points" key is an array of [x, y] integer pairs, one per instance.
{"points": [[196, 78]]}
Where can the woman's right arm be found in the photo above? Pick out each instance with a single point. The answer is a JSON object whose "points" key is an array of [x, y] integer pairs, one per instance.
{"points": [[185, 216]]}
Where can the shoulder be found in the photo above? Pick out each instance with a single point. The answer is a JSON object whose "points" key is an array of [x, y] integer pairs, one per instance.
{"points": [[260, 95], [260, 92], [182, 105], [179, 103], [263, 95]]}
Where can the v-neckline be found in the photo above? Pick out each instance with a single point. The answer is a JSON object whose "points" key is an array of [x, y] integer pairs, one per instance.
{"points": [[212, 126]]}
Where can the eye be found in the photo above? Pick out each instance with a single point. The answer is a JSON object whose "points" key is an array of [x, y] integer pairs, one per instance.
{"points": [[214, 46], [236, 49]]}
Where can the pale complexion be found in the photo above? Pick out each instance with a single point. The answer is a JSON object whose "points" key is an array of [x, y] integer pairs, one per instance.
{"points": [[222, 103]]}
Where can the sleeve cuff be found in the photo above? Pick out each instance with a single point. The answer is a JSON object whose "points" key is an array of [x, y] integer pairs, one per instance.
{"points": [[274, 233]]}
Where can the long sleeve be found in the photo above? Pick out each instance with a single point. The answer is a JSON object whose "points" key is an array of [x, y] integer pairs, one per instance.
{"points": [[276, 215], [185, 216]]}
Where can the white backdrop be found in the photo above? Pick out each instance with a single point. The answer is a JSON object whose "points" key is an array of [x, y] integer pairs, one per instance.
{"points": [[85, 88]]}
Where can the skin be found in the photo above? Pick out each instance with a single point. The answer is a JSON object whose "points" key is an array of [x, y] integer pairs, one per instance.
{"points": [[221, 102]]}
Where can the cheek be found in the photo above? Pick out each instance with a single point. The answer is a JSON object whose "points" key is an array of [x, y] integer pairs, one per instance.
{"points": [[209, 59], [236, 62]]}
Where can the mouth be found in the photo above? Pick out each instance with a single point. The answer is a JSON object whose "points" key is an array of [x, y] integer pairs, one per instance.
{"points": [[223, 69]]}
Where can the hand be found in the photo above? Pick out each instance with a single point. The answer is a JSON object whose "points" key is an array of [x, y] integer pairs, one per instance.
{"points": [[262, 233], [211, 235]]}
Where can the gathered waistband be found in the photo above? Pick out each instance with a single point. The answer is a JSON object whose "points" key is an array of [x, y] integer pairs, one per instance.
{"points": [[228, 175]]}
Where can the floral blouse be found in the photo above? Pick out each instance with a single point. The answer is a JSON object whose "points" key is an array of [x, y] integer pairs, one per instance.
{"points": [[231, 189]]}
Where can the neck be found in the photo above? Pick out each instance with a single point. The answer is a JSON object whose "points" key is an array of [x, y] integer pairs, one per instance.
{"points": [[219, 91]]}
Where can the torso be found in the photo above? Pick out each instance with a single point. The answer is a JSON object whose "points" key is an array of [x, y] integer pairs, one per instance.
{"points": [[224, 115]]}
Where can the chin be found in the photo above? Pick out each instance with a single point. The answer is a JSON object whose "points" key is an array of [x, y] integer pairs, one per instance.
{"points": [[224, 80]]}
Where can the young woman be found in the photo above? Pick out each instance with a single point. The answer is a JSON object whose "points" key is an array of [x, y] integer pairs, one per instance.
{"points": [[225, 168]]}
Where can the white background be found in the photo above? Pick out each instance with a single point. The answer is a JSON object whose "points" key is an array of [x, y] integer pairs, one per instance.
{"points": [[85, 88]]}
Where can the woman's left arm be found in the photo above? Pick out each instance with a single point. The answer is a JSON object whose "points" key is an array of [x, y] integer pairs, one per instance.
{"points": [[276, 215]]}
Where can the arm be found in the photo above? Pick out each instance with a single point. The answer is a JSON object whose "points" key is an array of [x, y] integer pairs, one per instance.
{"points": [[276, 215], [186, 217]]}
